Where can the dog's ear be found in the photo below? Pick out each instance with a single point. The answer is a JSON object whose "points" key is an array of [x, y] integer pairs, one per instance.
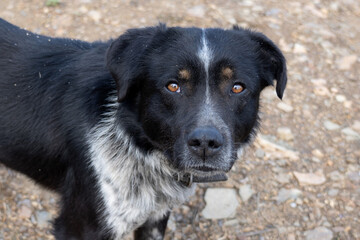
{"points": [[272, 61], [125, 56]]}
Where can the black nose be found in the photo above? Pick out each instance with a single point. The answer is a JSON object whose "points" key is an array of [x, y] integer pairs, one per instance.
{"points": [[205, 141]]}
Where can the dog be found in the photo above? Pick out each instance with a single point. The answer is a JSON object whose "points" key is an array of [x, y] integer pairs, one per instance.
{"points": [[122, 129]]}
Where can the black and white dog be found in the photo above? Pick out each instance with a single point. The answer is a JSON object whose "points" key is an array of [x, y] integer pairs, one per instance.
{"points": [[120, 129]]}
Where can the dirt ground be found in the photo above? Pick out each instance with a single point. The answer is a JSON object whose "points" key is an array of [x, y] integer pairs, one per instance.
{"points": [[301, 176]]}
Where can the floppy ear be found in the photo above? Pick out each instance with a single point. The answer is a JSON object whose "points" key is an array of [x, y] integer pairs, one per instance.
{"points": [[272, 61], [125, 56]]}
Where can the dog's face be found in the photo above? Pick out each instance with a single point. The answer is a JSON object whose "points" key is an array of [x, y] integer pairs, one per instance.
{"points": [[196, 90]]}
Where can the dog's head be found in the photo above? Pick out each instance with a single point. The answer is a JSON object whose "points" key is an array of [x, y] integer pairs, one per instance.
{"points": [[194, 93]]}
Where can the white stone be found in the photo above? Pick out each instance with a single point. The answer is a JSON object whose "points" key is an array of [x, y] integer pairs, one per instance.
{"points": [[285, 107], [340, 98], [347, 62], [299, 48], [197, 11], [319, 233], [285, 194], [331, 126], [285, 133], [245, 192], [220, 203], [43, 218], [95, 15], [351, 133], [317, 178]]}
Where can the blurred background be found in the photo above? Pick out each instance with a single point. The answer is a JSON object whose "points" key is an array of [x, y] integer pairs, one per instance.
{"points": [[301, 177]]}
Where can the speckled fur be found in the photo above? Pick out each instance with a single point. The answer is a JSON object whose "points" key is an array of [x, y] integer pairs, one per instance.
{"points": [[135, 187]]}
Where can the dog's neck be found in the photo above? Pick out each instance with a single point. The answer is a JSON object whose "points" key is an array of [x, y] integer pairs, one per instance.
{"points": [[134, 185]]}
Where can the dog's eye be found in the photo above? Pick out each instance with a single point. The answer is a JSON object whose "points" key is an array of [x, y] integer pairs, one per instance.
{"points": [[173, 87], [237, 88]]}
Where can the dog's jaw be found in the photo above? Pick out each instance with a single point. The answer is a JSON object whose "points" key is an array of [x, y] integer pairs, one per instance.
{"points": [[134, 186]]}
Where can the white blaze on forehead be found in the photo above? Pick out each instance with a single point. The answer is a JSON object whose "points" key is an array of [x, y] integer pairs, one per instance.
{"points": [[205, 55]]}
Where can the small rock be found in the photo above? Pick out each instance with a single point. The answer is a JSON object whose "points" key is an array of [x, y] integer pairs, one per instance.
{"points": [[24, 212], [346, 62], [231, 222], [356, 125], [285, 194], [283, 178], [293, 205], [350, 133], [319, 233], [43, 218], [291, 236], [299, 48], [95, 15], [245, 192], [319, 82], [340, 98], [354, 176], [331, 126], [333, 192], [317, 153], [285, 133], [220, 203], [197, 11], [321, 91], [336, 176], [285, 107], [317, 178], [259, 153]]}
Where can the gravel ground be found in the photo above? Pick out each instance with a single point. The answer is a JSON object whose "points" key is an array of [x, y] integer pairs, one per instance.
{"points": [[301, 177]]}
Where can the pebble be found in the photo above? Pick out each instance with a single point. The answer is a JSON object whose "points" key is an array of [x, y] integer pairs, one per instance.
{"points": [[317, 153], [354, 176], [283, 178], [43, 218], [299, 48], [321, 91], [319, 82], [336, 176], [24, 212], [197, 11], [319, 233], [285, 133], [331, 126], [317, 178], [95, 15], [350, 133], [333, 192], [259, 153], [232, 222], [285, 107], [245, 192], [356, 125], [285, 194], [220, 203], [347, 62], [340, 98]]}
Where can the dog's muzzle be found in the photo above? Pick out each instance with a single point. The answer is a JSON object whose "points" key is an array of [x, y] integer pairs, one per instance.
{"points": [[187, 179]]}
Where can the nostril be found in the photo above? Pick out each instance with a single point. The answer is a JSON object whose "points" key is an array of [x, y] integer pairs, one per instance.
{"points": [[212, 144], [194, 142]]}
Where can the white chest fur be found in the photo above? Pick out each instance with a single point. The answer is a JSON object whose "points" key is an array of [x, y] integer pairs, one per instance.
{"points": [[134, 186]]}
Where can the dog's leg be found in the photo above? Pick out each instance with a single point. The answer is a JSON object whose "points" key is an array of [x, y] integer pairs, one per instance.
{"points": [[152, 230]]}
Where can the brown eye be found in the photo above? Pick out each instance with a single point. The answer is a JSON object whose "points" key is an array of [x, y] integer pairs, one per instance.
{"points": [[237, 88], [173, 87]]}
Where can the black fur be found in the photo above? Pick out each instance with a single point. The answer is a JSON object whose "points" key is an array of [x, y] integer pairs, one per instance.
{"points": [[54, 91]]}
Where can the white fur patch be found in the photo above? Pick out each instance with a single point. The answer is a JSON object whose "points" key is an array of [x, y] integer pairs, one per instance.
{"points": [[205, 54], [134, 186]]}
